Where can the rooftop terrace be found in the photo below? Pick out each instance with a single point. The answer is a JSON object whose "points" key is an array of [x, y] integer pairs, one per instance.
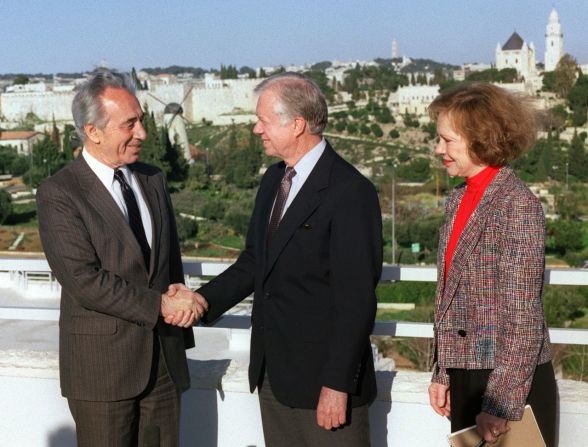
{"points": [[218, 410]]}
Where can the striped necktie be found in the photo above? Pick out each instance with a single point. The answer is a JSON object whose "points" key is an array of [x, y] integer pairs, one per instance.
{"points": [[134, 215], [281, 198]]}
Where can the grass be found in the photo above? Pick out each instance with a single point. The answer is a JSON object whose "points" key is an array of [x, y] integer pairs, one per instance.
{"points": [[231, 241], [208, 251]]}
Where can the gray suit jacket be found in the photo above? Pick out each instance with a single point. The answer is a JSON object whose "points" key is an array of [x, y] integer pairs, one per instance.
{"points": [[110, 303]]}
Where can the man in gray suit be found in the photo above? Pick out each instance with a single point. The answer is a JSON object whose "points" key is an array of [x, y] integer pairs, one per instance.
{"points": [[108, 229]]}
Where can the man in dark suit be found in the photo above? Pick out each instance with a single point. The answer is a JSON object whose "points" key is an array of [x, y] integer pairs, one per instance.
{"points": [[313, 258], [109, 234]]}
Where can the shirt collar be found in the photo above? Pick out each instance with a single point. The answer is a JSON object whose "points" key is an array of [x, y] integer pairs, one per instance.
{"points": [[309, 160], [103, 172]]}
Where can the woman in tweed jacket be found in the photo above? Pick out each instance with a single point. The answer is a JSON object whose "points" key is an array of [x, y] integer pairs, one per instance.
{"points": [[492, 350]]}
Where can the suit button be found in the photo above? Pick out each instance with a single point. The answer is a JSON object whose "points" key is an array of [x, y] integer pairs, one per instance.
{"points": [[150, 285], [462, 333], [267, 295]]}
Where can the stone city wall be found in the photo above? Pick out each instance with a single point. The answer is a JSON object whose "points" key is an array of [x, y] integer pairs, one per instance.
{"points": [[234, 96]]}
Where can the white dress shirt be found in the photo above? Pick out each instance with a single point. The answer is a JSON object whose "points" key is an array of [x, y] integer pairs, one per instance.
{"points": [[303, 169], [106, 176]]}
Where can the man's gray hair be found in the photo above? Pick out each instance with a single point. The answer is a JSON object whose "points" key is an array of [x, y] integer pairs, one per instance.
{"points": [[87, 106], [298, 95]]}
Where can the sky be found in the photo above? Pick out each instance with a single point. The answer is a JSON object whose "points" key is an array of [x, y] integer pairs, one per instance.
{"points": [[72, 36]]}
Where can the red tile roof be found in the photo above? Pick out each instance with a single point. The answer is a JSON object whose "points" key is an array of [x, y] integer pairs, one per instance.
{"points": [[17, 134]]}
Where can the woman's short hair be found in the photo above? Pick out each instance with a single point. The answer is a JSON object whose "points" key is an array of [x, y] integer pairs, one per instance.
{"points": [[498, 125], [298, 95]]}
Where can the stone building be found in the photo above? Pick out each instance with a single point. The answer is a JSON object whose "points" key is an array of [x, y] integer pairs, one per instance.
{"points": [[553, 41], [413, 99], [517, 54], [23, 141]]}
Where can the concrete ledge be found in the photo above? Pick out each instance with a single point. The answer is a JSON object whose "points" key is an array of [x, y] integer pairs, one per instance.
{"points": [[218, 410]]}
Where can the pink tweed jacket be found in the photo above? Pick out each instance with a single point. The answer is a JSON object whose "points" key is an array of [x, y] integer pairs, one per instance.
{"points": [[489, 312]]}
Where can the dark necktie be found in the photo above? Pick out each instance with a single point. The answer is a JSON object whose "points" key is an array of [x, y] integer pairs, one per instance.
{"points": [[281, 198], [134, 215]]}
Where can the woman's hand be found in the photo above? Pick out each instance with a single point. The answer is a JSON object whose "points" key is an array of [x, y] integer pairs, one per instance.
{"points": [[491, 427], [439, 398]]}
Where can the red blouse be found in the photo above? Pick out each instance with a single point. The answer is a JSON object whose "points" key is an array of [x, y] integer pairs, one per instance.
{"points": [[475, 187]]}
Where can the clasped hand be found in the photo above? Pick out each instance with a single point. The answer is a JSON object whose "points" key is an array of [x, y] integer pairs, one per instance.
{"points": [[181, 306]]}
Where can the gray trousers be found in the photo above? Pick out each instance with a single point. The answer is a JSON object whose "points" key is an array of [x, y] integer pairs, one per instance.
{"points": [[297, 427], [156, 412]]}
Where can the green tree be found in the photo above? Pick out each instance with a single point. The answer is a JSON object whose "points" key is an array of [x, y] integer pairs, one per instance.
{"points": [[384, 116], [248, 71], [321, 79], [565, 75], [556, 117], [5, 206], [69, 133], [506, 75], [567, 235], [238, 220], [364, 129], [563, 304], [20, 79], [352, 128], [577, 158], [418, 170], [176, 167], [187, 228], [152, 149], [549, 82], [394, 133], [47, 159], [228, 72], [578, 99], [197, 177], [340, 125], [431, 129], [7, 155], [376, 130], [136, 81], [410, 120], [213, 209]]}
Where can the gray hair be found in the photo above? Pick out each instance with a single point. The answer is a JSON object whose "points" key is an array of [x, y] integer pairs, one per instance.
{"points": [[87, 106], [298, 95]]}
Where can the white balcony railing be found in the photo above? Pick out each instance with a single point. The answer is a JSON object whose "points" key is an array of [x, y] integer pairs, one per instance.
{"points": [[36, 271]]}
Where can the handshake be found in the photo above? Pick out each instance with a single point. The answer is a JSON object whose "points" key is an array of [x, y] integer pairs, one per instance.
{"points": [[181, 306]]}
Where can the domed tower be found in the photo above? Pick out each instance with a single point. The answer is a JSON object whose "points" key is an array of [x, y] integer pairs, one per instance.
{"points": [[553, 41], [173, 120]]}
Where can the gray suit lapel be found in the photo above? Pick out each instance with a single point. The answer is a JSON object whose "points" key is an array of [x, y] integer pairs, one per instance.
{"points": [[101, 200], [152, 199]]}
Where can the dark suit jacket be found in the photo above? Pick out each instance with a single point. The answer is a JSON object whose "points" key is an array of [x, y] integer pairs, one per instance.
{"points": [[314, 301], [489, 312], [110, 302]]}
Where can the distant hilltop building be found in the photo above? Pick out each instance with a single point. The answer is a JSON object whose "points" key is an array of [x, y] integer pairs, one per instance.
{"points": [[517, 54], [413, 99], [395, 52], [520, 55], [553, 41]]}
